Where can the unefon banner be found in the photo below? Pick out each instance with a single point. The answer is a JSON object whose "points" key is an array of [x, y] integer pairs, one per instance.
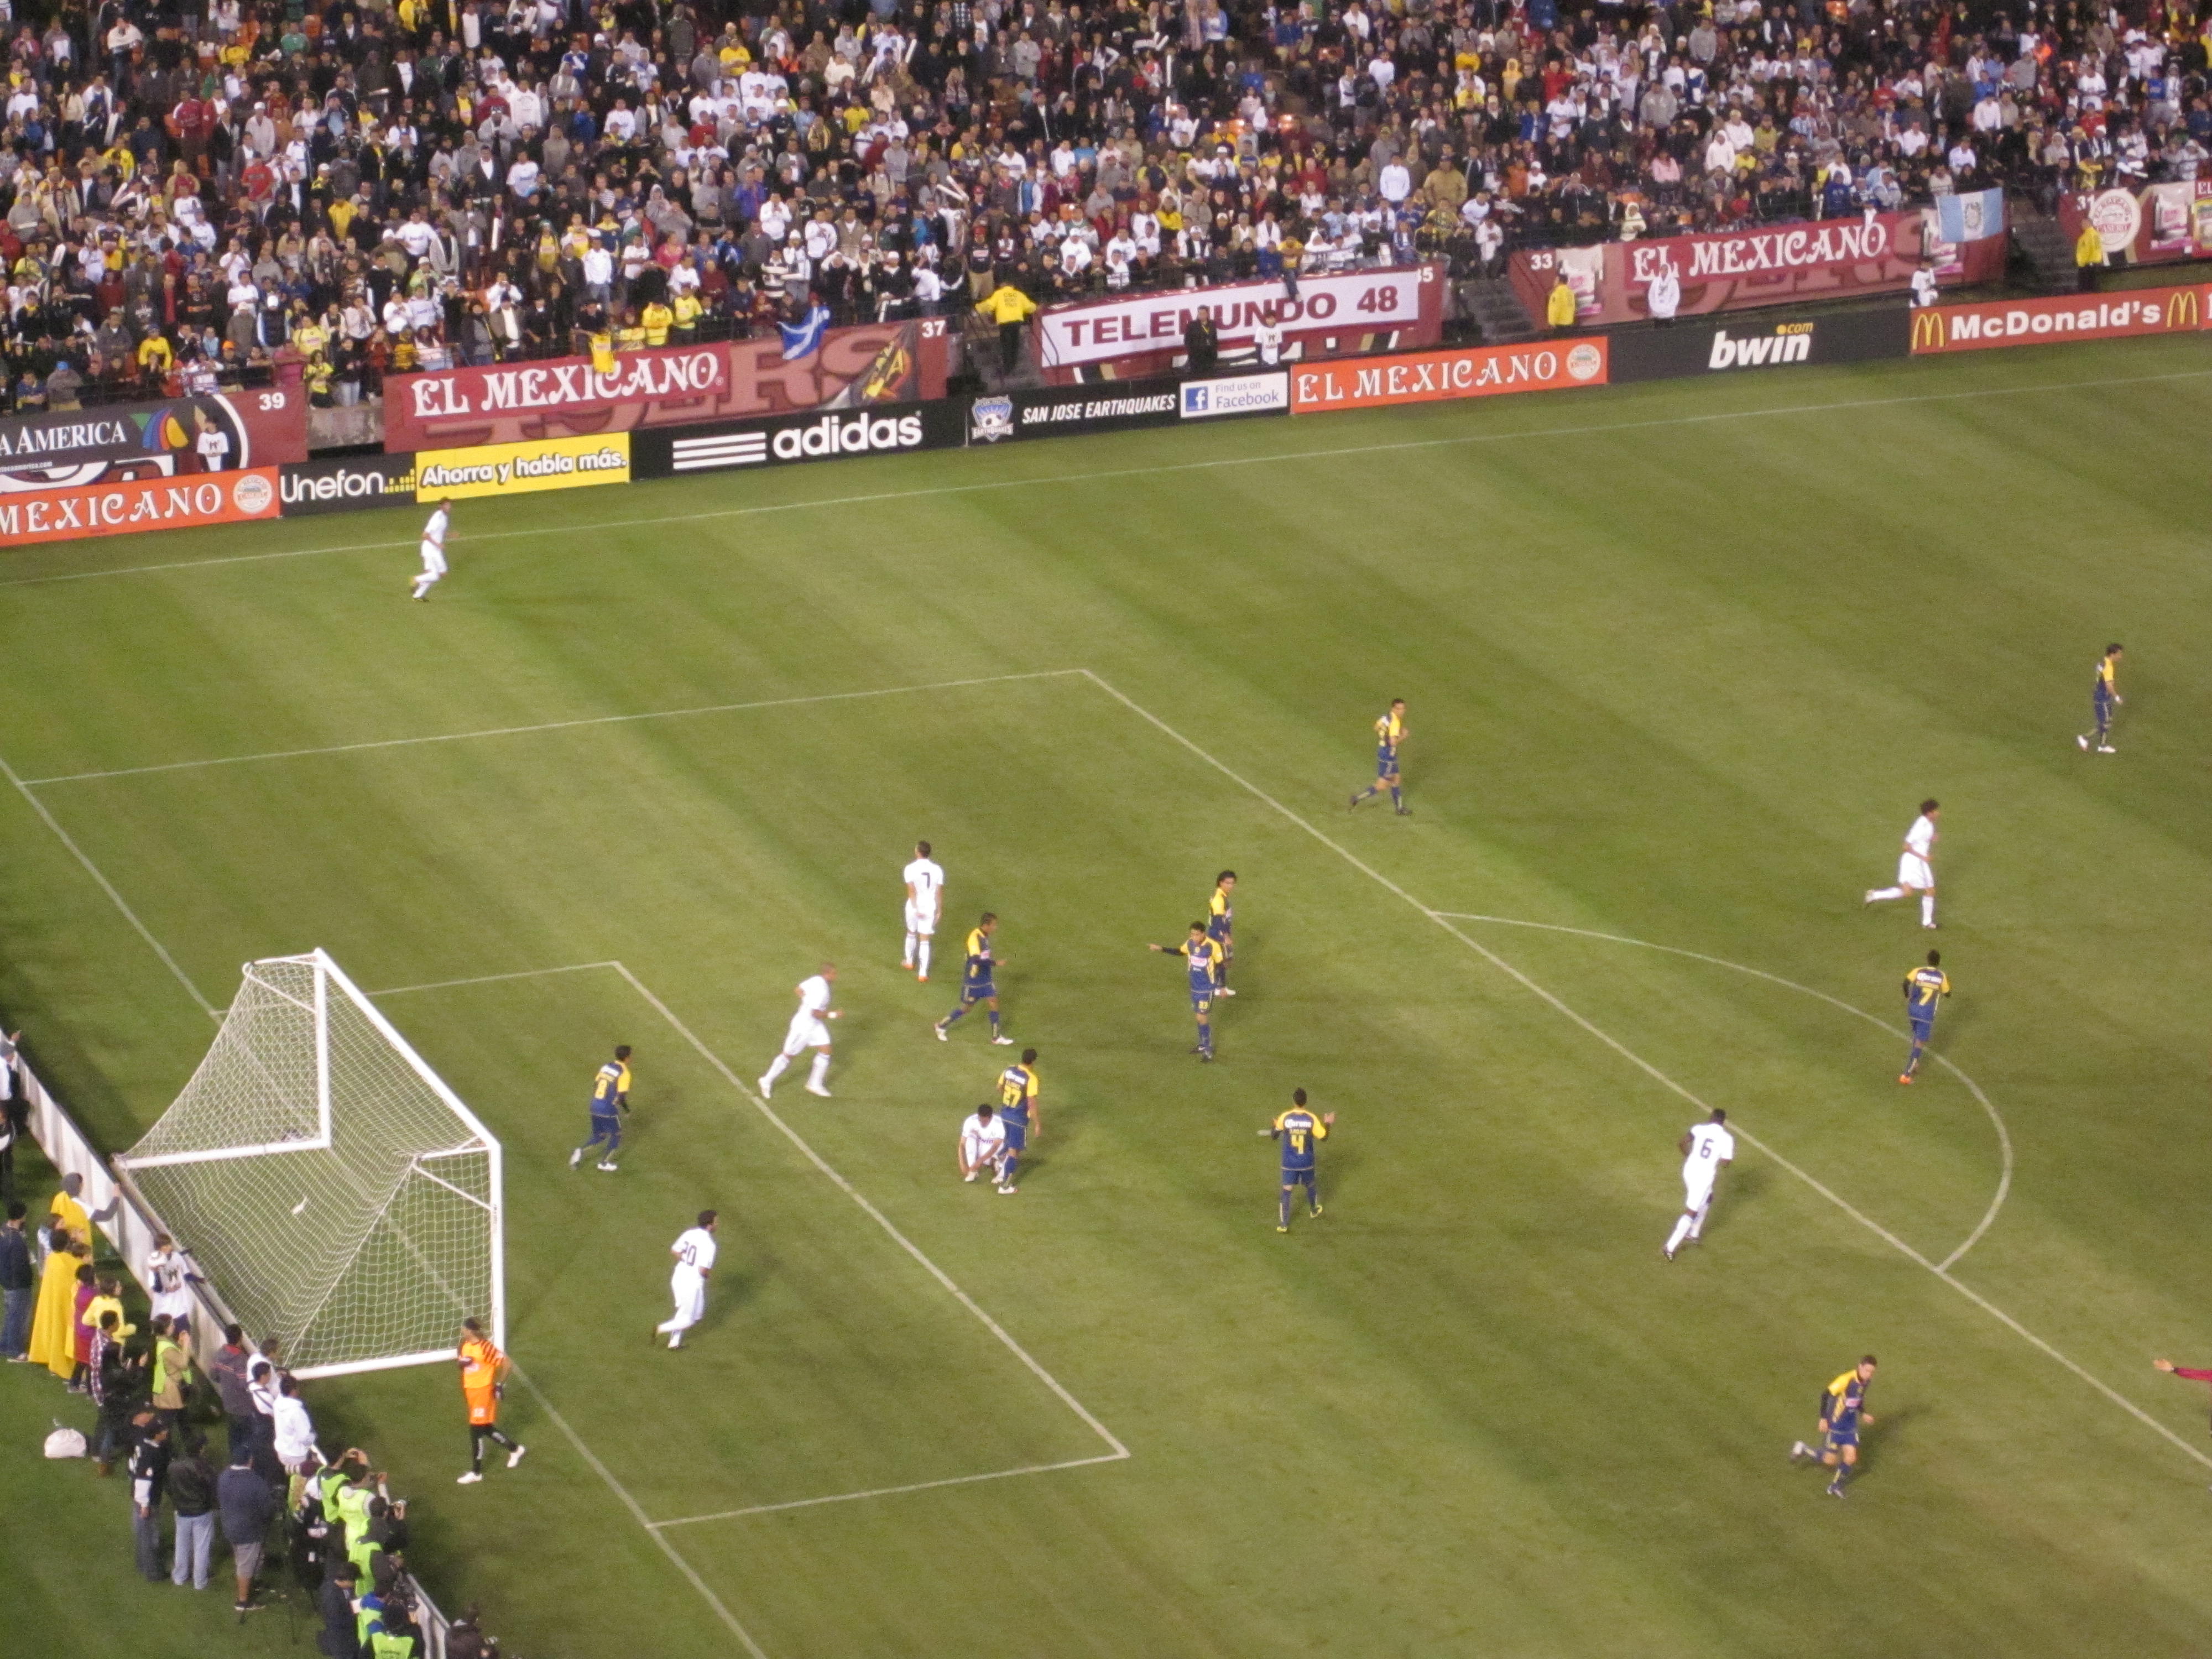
{"points": [[1722, 347], [677, 385], [1826, 259], [349, 485], [120, 507], [59, 449], [1422, 377], [2047, 322], [1137, 335], [813, 436]]}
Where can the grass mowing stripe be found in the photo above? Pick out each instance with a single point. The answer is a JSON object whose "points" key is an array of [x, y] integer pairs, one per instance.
{"points": [[1583, 431], [2004, 1138], [1655, 1074]]}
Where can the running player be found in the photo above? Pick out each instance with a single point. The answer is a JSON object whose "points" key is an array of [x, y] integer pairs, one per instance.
{"points": [[1923, 987], [1019, 1114], [433, 548], [807, 1030], [1389, 733], [983, 1146], [610, 1099], [1916, 865], [1707, 1148], [695, 1251], [1842, 1409], [1297, 1130], [925, 903], [1204, 954], [483, 1385], [2104, 697], [1220, 924], [979, 981]]}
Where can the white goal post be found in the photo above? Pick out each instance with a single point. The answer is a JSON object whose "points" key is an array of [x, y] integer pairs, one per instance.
{"points": [[335, 1194]]}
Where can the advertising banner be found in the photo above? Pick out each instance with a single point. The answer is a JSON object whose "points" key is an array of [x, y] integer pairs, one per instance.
{"points": [[219, 431], [1433, 376], [515, 469], [2157, 225], [1138, 334], [119, 507], [1720, 348], [1265, 393], [780, 439], [351, 485], [1827, 260], [678, 386], [2045, 322], [1053, 411]]}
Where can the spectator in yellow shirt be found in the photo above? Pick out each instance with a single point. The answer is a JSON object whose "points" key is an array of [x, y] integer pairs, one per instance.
{"points": [[1010, 308], [688, 311], [655, 319], [155, 357]]}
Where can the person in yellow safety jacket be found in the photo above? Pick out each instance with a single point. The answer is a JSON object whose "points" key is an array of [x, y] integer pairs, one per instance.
{"points": [[368, 1628], [1010, 308], [1559, 304], [656, 319], [2089, 256]]}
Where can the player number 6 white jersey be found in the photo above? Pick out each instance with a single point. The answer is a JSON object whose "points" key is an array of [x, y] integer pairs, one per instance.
{"points": [[1710, 1147]]}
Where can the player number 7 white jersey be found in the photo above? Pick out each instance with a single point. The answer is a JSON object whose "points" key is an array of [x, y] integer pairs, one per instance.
{"points": [[926, 878]]}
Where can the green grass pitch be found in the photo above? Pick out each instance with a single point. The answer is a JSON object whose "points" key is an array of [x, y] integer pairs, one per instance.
{"points": [[1680, 661]]}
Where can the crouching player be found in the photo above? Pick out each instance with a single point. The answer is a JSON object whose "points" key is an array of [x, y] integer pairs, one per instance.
{"points": [[983, 1146]]}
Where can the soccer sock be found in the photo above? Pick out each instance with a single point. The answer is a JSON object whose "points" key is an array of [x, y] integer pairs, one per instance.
{"points": [[957, 1013], [1681, 1231], [1697, 1221], [1928, 909], [1912, 1061], [494, 1434], [1007, 1168], [994, 1022], [1881, 893], [921, 955], [476, 1449], [1368, 794], [906, 958], [1397, 797], [778, 1066], [1205, 1042], [821, 1065], [1284, 1208]]}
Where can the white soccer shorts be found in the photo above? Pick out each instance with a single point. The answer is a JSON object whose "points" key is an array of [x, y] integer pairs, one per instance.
{"points": [[918, 921], [807, 1032], [434, 560], [689, 1291], [1912, 870], [1697, 1190]]}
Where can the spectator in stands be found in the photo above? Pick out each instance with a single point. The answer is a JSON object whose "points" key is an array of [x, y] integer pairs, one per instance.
{"points": [[192, 1496], [149, 1473], [17, 1284], [246, 1504], [227, 1369], [1201, 342]]}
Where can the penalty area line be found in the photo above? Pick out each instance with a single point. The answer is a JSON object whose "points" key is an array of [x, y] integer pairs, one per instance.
{"points": [[1644, 1065], [893, 1492]]}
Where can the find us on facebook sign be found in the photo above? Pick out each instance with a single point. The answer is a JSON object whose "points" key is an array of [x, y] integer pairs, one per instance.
{"points": [[1238, 394]]}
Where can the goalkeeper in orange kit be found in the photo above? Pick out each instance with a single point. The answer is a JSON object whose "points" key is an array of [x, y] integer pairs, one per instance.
{"points": [[483, 1384]]}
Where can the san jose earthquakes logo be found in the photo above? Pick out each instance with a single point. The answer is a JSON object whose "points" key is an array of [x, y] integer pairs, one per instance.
{"points": [[990, 420]]}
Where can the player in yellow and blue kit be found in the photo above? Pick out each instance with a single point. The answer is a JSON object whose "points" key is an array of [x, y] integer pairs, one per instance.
{"points": [[1297, 1130], [1843, 1410], [1389, 733], [1924, 988], [978, 981], [2104, 697], [1204, 955], [609, 1099], [1020, 1114], [1220, 924]]}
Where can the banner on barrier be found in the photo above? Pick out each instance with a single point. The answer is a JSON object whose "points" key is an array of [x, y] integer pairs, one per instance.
{"points": [[1720, 348], [1433, 376], [514, 469], [1265, 393], [350, 485], [780, 439], [119, 507], [1050, 412], [679, 385], [1138, 334], [219, 431], [2045, 322], [2159, 224]]}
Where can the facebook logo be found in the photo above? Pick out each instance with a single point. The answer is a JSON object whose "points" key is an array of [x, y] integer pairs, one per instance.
{"points": [[1195, 399]]}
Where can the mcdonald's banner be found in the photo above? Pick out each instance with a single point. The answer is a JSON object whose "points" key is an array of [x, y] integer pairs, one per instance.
{"points": [[2047, 322]]}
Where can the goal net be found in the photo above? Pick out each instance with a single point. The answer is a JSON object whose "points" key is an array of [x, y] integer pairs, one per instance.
{"points": [[339, 1197]]}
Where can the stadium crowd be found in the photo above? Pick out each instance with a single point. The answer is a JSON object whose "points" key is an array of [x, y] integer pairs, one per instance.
{"points": [[155, 1398], [203, 192]]}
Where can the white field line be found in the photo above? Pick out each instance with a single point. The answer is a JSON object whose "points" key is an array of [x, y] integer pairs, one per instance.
{"points": [[1997, 1122], [894, 1491], [543, 725], [1539, 433], [1655, 1074]]}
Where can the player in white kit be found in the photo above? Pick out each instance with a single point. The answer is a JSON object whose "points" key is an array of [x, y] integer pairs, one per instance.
{"points": [[1705, 1148], [693, 1250], [983, 1146], [1916, 865], [925, 903], [433, 548], [807, 1031], [169, 1280]]}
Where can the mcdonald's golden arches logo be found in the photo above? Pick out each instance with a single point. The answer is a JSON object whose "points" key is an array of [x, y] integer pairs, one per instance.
{"points": [[1931, 330], [2185, 308]]}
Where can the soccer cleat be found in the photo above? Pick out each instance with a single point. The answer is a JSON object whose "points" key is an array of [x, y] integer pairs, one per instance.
{"points": [[1905, 1077], [816, 1089], [1279, 1226], [575, 1158], [468, 1479], [1405, 812], [606, 1166], [1869, 899], [2106, 749], [1006, 1189], [1225, 992], [766, 1086], [940, 1029], [921, 979], [516, 1456], [971, 1175], [1799, 1450], [1315, 1211], [2084, 742], [1930, 925], [1835, 1489], [1002, 1041], [1206, 1055], [1666, 1252], [674, 1343]]}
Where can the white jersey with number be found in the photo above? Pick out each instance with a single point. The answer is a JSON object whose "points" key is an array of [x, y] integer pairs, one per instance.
{"points": [[695, 1255], [808, 1030], [166, 1286], [433, 542], [1710, 1147], [925, 883], [982, 1140], [1915, 865]]}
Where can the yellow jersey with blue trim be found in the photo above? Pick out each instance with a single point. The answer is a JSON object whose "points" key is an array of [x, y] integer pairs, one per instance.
{"points": [[1842, 1402], [2106, 685], [1220, 914], [1921, 986], [979, 966], [1018, 1090], [1389, 733]]}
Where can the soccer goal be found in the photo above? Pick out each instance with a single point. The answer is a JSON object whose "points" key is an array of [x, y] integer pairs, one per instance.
{"points": [[339, 1197]]}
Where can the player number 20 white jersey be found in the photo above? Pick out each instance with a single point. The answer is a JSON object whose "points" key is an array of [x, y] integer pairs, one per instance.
{"points": [[695, 1251]]}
